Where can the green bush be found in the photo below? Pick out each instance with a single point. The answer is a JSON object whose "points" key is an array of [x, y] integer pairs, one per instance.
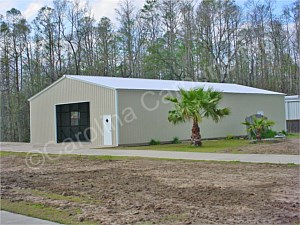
{"points": [[265, 134], [176, 140], [252, 135], [259, 128], [229, 137], [154, 142], [269, 134]]}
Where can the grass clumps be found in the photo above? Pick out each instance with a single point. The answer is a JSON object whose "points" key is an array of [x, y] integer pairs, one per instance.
{"points": [[154, 142], [176, 140], [44, 212]]}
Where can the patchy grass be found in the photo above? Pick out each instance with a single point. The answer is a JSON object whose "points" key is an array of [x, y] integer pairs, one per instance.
{"points": [[130, 158], [84, 157], [78, 157], [44, 212], [62, 197], [125, 158], [208, 146], [8, 153], [175, 218], [293, 135], [292, 165], [106, 157]]}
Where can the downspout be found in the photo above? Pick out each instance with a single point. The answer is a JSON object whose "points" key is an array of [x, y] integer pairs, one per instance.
{"points": [[117, 117]]}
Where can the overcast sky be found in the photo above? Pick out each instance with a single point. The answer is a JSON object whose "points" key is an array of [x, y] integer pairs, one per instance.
{"points": [[100, 8]]}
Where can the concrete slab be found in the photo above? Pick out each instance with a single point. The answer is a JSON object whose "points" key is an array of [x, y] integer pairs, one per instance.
{"points": [[81, 149], [17, 219]]}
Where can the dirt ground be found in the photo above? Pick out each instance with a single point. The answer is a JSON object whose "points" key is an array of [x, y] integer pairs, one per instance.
{"points": [[142, 191], [288, 147]]}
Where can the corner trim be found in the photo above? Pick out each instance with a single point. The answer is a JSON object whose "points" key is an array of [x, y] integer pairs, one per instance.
{"points": [[117, 117]]}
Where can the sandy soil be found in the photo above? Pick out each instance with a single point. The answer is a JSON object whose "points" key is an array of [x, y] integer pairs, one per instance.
{"points": [[287, 147], [158, 192]]}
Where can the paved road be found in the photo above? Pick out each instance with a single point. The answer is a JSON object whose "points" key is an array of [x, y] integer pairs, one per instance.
{"points": [[88, 150], [17, 219]]}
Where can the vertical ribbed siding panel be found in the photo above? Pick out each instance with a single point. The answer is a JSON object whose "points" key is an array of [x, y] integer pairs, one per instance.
{"points": [[42, 113], [140, 125], [154, 124], [292, 110]]}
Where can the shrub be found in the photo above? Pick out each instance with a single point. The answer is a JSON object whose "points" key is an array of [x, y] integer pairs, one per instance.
{"points": [[264, 134], [229, 137], [258, 127], [154, 142], [176, 140], [269, 134]]}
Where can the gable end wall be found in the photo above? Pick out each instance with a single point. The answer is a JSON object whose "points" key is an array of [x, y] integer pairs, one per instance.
{"points": [[42, 109]]}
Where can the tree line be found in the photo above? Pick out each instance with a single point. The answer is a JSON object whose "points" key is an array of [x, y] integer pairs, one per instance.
{"points": [[210, 40]]}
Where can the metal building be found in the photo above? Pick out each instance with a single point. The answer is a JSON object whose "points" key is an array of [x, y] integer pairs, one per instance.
{"points": [[292, 113], [120, 111]]}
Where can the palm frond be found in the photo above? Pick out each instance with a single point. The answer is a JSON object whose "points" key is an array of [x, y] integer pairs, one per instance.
{"points": [[171, 99], [195, 104]]}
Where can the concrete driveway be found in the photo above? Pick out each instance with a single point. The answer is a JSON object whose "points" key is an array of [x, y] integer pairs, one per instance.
{"points": [[17, 219], [85, 149]]}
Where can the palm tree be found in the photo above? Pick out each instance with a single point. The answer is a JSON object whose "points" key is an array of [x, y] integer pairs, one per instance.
{"points": [[196, 104], [258, 126]]}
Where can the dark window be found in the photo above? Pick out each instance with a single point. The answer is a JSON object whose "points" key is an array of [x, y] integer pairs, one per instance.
{"points": [[64, 118], [84, 119], [73, 122], [75, 118]]}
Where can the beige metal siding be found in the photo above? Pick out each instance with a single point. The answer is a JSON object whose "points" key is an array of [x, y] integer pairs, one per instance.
{"points": [[242, 105], [140, 119], [42, 109], [141, 122]]}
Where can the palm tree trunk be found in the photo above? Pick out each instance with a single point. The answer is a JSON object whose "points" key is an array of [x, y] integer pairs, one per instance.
{"points": [[258, 135], [196, 137]]}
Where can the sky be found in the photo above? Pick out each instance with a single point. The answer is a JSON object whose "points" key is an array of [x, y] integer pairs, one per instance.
{"points": [[29, 8], [100, 8]]}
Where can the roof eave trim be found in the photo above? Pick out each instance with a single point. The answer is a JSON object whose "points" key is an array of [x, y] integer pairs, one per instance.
{"points": [[47, 88], [222, 91], [62, 78], [88, 82]]}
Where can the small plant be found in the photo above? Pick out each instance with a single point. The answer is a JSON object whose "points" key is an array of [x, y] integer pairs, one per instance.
{"points": [[229, 137], [284, 132], [176, 140], [291, 164], [258, 127], [154, 142]]}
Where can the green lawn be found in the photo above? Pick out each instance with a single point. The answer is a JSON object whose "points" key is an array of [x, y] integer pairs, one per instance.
{"points": [[208, 146]]}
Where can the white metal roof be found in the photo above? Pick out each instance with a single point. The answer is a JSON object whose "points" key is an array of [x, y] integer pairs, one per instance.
{"points": [[167, 85], [292, 98], [151, 84]]}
